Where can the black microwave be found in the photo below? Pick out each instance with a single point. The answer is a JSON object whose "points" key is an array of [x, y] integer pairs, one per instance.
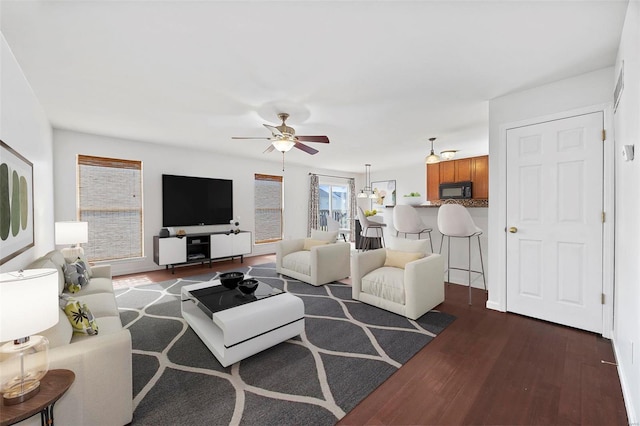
{"points": [[455, 190]]}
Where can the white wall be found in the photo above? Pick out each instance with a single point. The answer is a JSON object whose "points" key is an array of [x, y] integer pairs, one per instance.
{"points": [[25, 128], [158, 160], [626, 336]]}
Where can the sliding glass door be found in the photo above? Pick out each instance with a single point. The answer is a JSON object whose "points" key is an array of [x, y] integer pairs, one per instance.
{"points": [[334, 203]]}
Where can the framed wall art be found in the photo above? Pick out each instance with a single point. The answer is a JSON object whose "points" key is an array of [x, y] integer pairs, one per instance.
{"points": [[385, 192], [16, 203]]}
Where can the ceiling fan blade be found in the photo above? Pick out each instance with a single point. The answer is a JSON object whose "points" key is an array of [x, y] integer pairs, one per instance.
{"points": [[269, 149], [248, 137], [273, 130], [320, 139], [306, 148]]}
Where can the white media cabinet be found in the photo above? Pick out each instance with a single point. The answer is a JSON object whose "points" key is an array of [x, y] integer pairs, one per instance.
{"points": [[200, 248]]}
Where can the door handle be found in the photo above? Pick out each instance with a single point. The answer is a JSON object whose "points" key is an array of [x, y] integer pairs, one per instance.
{"points": [[513, 229]]}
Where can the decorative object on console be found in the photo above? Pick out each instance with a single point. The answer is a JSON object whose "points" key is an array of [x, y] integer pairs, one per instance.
{"points": [[231, 280], [74, 233], [235, 223], [164, 233], [25, 358], [367, 191], [433, 157]]}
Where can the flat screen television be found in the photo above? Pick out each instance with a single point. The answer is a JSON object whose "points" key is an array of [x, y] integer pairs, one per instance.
{"points": [[188, 201]]}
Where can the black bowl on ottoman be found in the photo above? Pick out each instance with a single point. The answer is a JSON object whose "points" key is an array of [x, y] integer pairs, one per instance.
{"points": [[231, 279], [248, 286]]}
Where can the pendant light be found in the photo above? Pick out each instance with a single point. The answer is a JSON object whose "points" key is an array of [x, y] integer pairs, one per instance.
{"points": [[433, 157], [366, 191]]}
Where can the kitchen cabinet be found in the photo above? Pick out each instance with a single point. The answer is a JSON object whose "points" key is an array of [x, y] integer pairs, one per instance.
{"points": [[480, 177], [447, 171], [474, 169], [433, 181], [462, 170]]}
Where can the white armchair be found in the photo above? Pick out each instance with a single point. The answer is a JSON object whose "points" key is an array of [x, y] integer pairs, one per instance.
{"points": [[410, 291], [317, 260]]}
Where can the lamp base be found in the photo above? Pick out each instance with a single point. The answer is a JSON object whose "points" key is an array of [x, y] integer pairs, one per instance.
{"points": [[24, 363], [21, 392], [71, 254]]}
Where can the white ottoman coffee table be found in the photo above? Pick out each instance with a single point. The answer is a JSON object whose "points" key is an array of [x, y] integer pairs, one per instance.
{"points": [[235, 326]]}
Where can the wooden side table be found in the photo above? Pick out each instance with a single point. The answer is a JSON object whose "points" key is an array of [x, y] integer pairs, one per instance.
{"points": [[52, 386]]}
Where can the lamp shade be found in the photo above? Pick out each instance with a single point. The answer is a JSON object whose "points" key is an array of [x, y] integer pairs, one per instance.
{"points": [[283, 145], [71, 232], [432, 158], [28, 302]]}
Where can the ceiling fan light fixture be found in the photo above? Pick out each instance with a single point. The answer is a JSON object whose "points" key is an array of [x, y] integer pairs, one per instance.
{"points": [[432, 158], [283, 145], [448, 154]]}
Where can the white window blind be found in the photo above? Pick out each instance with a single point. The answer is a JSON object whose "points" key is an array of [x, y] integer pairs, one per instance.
{"points": [[268, 208], [110, 200]]}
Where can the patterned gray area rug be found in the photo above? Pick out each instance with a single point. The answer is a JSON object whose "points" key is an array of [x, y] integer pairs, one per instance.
{"points": [[347, 350]]}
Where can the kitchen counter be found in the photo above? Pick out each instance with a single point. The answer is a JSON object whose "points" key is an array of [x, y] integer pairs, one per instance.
{"points": [[466, 203]]}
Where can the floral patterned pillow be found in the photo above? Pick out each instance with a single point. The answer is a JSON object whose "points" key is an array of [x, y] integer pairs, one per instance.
{"points": [[76, 275], [79, 315]]}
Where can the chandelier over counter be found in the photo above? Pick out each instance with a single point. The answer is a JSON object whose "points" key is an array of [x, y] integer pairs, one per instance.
{"points": [[367, 191], [432, 158]]}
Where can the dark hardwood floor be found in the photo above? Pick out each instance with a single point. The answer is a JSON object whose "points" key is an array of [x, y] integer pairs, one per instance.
{"points": [[487, 367]]}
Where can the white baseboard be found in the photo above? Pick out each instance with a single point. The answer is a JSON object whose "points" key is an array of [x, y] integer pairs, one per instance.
{"points": [[626, 393]]}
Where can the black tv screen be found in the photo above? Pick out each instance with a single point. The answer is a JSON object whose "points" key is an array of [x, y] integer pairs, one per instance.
{"points": [[188, 201]]}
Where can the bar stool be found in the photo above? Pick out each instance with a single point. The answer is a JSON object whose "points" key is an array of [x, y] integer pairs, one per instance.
{"points": [[370, 229], [407, 220], [455, 221]]}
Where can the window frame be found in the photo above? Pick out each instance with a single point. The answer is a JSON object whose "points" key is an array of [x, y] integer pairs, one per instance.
{"points": [[272, 178]]}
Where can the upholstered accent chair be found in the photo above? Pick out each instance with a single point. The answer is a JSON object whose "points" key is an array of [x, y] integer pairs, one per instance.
{"points": [[317, 260], [404, 278]]}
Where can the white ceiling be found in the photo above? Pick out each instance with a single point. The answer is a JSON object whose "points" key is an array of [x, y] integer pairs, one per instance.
{"points": [[378, 77]]}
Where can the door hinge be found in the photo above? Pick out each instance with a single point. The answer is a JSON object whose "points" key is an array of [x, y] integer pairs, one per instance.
{"points": [[602, 298], [604, 217], [604, 135]]}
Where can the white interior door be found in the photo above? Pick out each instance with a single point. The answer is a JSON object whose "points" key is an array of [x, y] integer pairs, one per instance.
{"points": [[554, 221]]}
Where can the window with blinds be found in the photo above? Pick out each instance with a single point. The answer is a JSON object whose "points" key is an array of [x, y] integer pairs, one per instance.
{"points": [[110, 200], [268, 206]]}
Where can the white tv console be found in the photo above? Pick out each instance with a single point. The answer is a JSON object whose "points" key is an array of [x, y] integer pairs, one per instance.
{"points": [[200, 248]]}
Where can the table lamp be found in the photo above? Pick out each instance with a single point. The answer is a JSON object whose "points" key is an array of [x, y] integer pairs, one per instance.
{"points": [[28, 305], [72, 233]]}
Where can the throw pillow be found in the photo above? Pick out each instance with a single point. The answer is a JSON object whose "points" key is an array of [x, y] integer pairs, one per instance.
{"points": [[310, 242], [76, 275], [79, 315], [398, 259], [405, 244], [328, 236]]}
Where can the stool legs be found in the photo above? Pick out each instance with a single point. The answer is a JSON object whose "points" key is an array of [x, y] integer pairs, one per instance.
{"points": [[468, 269]]}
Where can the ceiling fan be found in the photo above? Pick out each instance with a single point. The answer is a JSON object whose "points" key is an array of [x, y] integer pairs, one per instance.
{"points": [[283, 138]]}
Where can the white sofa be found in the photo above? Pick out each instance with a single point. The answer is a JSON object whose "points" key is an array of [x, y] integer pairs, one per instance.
{"points": [[411, 291], [320, 264], [102, 393]]}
